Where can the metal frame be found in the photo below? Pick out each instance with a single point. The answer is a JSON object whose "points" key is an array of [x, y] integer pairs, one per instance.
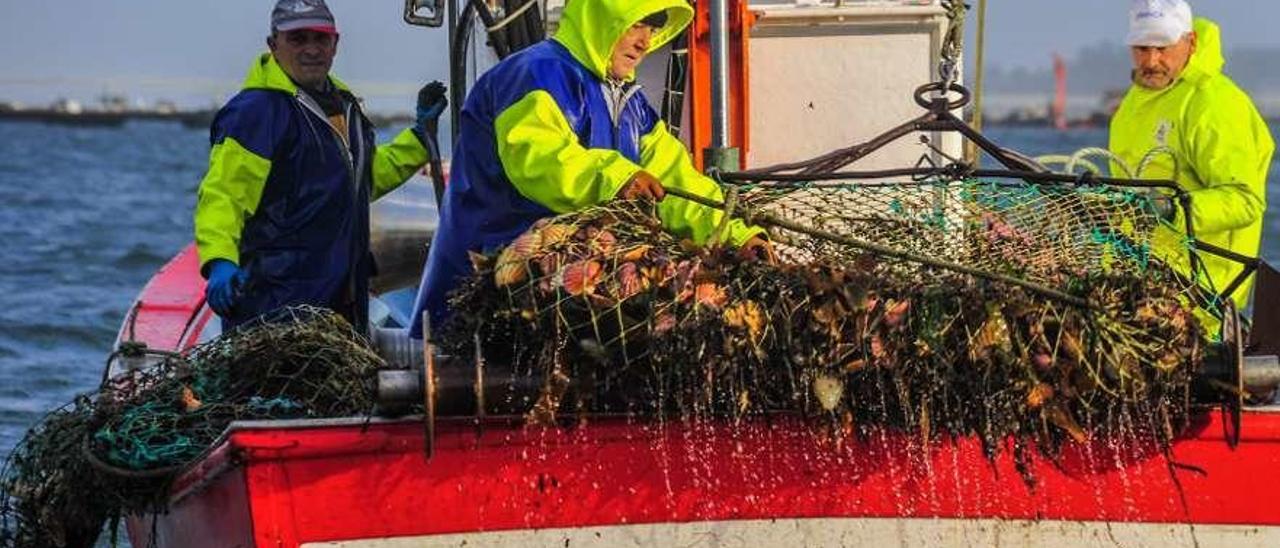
{"points": [[436, 18]]}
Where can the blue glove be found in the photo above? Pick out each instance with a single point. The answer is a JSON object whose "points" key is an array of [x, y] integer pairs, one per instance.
{"points": [[432, 100], [225, 281]]}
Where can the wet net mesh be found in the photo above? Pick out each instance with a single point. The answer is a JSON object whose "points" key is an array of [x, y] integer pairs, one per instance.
{"points": [[947, 309], [1038, 233], [116, 451]]}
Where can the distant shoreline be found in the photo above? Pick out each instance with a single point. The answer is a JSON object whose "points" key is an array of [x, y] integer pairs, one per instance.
{"points": [[189, 118]]}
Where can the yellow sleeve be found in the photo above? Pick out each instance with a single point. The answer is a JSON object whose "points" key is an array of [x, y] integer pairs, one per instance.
{"points": [[541, 156], [397, 161], [229, 194], [664, 156]]}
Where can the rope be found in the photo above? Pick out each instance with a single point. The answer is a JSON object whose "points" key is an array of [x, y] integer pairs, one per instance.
{"points": [[500, 24], [953, 42], [1079, 157], [1153, 154]]}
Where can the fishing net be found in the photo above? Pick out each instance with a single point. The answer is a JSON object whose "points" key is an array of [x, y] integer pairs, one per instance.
{"points": [[1036, 233], [117, 450], [959, 308], [1038, 236]]}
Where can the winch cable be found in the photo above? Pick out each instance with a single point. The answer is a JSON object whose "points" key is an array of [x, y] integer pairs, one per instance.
{"points": [[522, 23], [952, 43], [521, 26], [952, 53], [497, 38], [460, 42]]}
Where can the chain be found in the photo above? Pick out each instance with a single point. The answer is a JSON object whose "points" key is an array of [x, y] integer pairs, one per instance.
{"points": [[952, 42]]}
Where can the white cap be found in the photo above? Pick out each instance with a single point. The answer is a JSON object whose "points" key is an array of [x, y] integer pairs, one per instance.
{"points": [[1158, 23]]}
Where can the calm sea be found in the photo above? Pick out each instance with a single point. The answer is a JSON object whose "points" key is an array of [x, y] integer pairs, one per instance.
{"points": [[89, 214]]}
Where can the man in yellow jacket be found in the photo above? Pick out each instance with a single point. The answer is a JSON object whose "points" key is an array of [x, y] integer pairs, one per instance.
{"points": [[1214, 143], [561, 126]]}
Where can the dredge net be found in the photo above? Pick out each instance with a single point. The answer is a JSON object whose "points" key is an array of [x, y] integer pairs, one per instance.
{"points": [[117, 450], [1036, 233], [1001, 310]]}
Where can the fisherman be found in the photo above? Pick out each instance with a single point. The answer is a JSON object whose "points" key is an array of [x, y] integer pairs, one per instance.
{"points": [[282, 216], [1183, 111], [562, 126]]}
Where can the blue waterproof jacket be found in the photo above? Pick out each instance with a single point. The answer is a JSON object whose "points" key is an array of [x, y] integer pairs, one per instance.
{"points": [[287, 197], [546, 132]]}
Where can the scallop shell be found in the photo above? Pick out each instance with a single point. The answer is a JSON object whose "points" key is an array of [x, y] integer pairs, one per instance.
{"points": [[523, 247], [635, 253], [710, 295], [581, 277], [630, 282], [829, 390], [510, 273], [556, 234], [602, 242]]}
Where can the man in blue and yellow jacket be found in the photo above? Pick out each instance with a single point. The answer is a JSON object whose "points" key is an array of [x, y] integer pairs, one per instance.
{"points": [[561, 126], [282, 217]]}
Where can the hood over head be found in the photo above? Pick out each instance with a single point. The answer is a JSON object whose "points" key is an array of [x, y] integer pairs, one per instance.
{"points": [[1207, 61], [590, 29]]}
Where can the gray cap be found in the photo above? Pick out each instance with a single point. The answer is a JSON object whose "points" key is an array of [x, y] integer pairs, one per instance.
{"points": [[302, 14]]}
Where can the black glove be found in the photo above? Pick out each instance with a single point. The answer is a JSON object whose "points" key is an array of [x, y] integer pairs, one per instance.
{"points": [[432, 100]]}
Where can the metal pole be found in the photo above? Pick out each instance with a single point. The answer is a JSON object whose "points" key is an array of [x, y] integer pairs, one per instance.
{"points": [[979, 80], [719, 73], [720, 155]]}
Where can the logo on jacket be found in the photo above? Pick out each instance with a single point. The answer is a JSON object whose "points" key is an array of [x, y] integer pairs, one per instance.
{"points": [[1162, 132]]}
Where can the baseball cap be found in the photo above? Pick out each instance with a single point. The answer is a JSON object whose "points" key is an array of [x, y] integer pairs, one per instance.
{"points": [[1158, 23], [302, 14]]}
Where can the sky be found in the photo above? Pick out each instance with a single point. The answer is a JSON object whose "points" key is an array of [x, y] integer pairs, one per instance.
{"points": [[196, 52], [1027, 32]]}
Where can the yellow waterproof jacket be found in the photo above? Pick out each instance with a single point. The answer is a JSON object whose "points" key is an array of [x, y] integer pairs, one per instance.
{"points": [[546, 132], [1223, 150]]}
